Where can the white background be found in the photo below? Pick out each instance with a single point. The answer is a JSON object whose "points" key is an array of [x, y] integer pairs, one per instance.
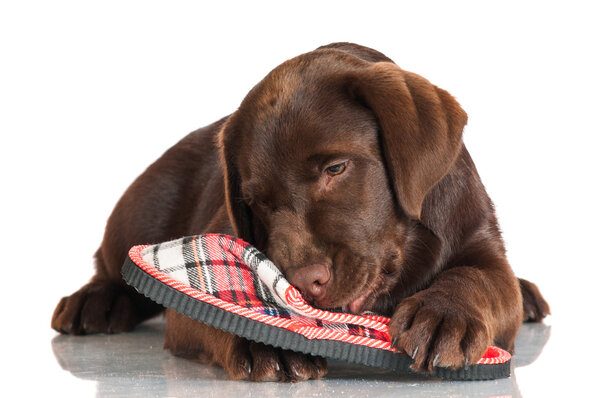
{"points": [[92, 93]]}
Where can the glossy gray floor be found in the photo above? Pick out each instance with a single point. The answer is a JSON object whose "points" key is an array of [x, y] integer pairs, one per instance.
{"points": [[134, 364]]}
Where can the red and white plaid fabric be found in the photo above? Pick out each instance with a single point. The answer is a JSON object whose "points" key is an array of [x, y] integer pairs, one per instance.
{"points": [[233, 275]]}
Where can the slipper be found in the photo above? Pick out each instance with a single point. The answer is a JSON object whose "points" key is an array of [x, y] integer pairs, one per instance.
{"points": [[225, 282]]}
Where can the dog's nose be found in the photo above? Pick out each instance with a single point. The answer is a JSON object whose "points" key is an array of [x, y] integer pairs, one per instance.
{"points": [[310, 279]]}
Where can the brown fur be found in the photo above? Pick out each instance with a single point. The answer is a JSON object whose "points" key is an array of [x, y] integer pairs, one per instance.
{"points": [[405, 228]]}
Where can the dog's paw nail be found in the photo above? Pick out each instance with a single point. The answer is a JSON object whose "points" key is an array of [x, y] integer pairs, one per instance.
{"points": [[436, 360], [394, 341], [414, 354], [277, 368]]}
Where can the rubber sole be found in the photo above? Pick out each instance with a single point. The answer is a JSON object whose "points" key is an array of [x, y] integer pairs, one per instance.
{"points": [[253, 330]]}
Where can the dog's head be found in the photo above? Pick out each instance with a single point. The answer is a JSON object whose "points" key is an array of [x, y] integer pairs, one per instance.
{"points": [[328, 161]]}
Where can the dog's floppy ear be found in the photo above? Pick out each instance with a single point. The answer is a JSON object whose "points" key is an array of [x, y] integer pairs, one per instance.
{"points": [[240, 214], [245, 225], [421, 128]]}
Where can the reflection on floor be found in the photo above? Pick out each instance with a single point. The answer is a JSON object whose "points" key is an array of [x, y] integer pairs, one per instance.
{"points": [[134, 364]]}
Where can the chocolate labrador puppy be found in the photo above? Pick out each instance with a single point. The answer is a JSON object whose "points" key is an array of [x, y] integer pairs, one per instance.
{"points": [[351, 175]]}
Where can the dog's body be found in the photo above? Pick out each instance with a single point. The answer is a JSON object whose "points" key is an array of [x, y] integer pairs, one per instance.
{"points": [[351, 175]]}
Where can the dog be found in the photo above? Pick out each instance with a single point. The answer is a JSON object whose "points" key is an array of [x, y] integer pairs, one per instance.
{"points": [[352, 176]]}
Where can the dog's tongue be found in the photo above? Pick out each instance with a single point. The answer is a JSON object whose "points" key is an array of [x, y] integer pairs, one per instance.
{"points": [[356, 305]]}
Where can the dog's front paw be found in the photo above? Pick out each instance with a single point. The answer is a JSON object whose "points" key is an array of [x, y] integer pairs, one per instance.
{"points": [[260, 362], [96, 308], [437, 332]]}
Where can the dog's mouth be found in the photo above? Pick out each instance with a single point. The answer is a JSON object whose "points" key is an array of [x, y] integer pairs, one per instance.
{"points": [[356, 305], [363, 302]]}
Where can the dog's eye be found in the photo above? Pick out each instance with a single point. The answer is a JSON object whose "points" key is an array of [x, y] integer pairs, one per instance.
{"points": [[336, 169]]}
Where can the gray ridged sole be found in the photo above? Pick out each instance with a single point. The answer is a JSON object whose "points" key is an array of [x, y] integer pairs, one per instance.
{"points": [[250, 329]]}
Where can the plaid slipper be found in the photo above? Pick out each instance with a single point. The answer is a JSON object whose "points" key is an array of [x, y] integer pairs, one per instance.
{"points": [[226, 283]]}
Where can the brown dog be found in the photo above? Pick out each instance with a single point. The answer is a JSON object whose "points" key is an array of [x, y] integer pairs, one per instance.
{"points": [[351, 174]]}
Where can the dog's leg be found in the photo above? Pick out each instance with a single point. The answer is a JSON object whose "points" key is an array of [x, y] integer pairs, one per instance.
{"points": [[465, 310], [169, 200]]}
